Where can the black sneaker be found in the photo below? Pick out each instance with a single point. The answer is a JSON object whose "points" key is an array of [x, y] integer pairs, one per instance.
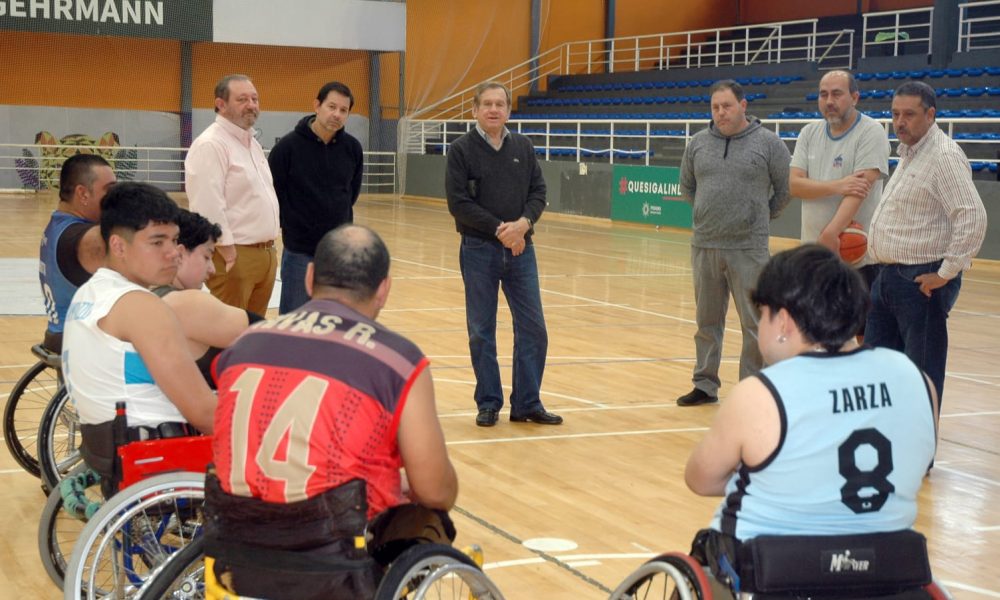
{"points": [[696, 397]]}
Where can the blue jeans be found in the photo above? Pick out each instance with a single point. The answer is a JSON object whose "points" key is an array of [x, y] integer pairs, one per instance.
{"points": [[293, 280], [904, 319], [485, 266]]}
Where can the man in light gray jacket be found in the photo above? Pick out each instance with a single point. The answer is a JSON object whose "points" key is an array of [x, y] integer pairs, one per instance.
{"points": [[735, 175]]}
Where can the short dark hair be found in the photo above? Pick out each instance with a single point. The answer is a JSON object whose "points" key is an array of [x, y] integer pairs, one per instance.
{"points": [[133, 206], [825, 296], [727, 84], [195, 229], [335, 86], [928, 99], [78, 170], [222, 88], [352, 258]]}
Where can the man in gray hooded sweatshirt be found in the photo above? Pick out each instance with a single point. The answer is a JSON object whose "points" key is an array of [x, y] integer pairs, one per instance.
{"points": [[735, 175]]}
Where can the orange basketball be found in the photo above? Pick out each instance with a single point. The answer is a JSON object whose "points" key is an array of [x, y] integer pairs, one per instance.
{"points": [[853, 243]]}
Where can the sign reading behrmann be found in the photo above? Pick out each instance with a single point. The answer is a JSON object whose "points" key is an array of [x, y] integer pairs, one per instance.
{"points": [[109, 11], [171, 19]]}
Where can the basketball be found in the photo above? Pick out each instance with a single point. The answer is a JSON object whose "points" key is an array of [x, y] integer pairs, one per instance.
{"points": [[853, 243]]}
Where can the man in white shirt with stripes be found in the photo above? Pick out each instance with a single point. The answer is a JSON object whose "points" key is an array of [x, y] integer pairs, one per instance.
{"points": [[930, 224]]}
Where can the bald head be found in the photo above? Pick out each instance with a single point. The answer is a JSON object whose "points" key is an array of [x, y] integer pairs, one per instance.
{"points": [[351, 260], [838, 96]]}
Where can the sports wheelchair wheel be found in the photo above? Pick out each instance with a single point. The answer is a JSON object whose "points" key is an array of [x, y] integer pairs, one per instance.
{"points": [[435, 571], [133, 534], [181, 577], [26, 404], [59, 440], [58, 530], [672, 575]]}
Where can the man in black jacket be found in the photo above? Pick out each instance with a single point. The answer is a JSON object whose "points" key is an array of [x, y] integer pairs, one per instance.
{"points": [[496, 193], [317, 172]]}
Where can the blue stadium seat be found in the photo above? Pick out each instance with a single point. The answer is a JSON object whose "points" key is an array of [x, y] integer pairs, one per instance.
{"points": [[864, 76], [993, 91], [974, 71], [954, 92], [978, 166], [975, 92], [993, 167], [743, 80], [992, 71], [813, 96], [954, 72], [935, 73], [918, 74], [900, 74], [883, 75]]}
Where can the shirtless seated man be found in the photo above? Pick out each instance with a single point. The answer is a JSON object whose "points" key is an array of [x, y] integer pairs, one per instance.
{"points": [[122, 342]]}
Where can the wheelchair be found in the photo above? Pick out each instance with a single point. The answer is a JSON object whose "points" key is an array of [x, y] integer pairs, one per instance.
{"points": [[59, 440], [424, 571], [26, 404], [880, 566], [156, 513]]}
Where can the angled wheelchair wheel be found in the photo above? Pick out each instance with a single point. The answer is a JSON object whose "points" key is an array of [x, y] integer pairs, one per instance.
{"points": [[135, 532], [26, 404], [181, 577], [58, 530], [59, 440], [672, 575], [435, 571]]}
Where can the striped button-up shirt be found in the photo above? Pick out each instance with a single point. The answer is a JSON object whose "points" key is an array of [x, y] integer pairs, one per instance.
{"points": [[229, 182], [930, 208]]}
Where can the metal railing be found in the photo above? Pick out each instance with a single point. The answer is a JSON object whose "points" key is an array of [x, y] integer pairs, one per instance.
{"points": [[730, 46], [890, 32], [637, 142], [36, 166], [978, 25]]}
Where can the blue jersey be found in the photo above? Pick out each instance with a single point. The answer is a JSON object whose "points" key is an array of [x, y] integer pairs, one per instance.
{"points": [[57, 290], [857, 436]]}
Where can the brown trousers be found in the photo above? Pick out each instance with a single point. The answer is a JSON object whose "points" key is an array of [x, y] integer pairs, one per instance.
{"points": [[248, 285]]}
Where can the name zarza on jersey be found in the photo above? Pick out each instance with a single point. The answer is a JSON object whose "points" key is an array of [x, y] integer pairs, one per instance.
{"points": [[861, 397], [312, 323]]}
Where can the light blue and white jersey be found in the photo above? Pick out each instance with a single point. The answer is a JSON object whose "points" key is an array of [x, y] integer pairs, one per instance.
{"points": [[101, 369], [857, 436]]}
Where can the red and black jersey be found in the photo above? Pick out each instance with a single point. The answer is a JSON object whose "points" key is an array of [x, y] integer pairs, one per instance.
{"points": [[311, 400]]}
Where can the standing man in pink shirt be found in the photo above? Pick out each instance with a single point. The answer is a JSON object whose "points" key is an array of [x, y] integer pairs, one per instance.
{"points": [[229, 182]]}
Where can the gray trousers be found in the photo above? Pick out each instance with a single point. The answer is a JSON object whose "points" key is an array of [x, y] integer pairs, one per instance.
{"points": [[717, 273]]}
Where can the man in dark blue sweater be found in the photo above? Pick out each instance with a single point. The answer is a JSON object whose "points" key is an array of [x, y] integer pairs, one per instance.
{"points": [[496, 194], [317, 172]]}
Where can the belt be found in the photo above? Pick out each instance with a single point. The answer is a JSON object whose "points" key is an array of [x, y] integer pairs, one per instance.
{"points": [[267, 244], [160, 432]]}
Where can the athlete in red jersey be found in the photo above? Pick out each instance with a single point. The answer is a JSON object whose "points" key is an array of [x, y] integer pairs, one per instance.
{"points": [[313, 404]]}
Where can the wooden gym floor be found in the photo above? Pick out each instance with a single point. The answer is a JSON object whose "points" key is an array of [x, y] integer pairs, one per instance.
{"points": [[567, 512]]}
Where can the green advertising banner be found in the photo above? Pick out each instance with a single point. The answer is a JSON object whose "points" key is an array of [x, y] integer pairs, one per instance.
{"points": [[167, 19], [648, 195]]}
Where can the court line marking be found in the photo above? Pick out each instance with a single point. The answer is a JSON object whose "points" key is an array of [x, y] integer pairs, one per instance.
{"points": [[987, 528], [991, 482], [570, 436], [970, 588], [540, 553]]}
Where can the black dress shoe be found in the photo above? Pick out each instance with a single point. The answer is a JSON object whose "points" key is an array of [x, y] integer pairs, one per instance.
{"points": [[696, 397], [487, 417], [540, 416]]}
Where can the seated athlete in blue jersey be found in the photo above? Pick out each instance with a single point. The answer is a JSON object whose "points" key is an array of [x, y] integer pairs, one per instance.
{"points": [[831, 438], [122, 342], [71, 248]]}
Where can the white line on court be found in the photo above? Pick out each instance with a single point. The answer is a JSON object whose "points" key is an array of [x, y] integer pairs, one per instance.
{"points": [[973, 379], [987, 528], [557, 395], [992, 482], [972, 414], [970, 588], [596, 408], [570, 436]]}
